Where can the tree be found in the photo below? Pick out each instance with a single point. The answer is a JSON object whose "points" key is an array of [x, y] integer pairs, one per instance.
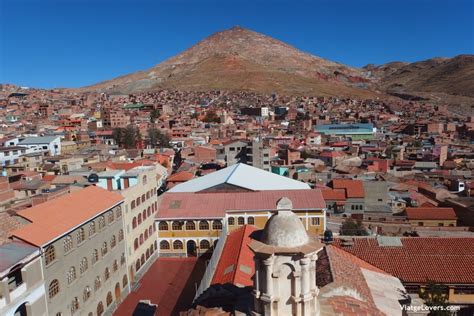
{"points": [[117, 135], [211, 117], [435, 295], [353, 228], [155, 113], [130, 136], [156, 137]]}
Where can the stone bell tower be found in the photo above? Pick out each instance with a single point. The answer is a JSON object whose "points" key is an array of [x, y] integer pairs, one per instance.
{"points": [[285, 266]]}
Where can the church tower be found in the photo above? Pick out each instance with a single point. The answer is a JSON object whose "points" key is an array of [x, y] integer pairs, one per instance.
{"points": [[285, 266]]}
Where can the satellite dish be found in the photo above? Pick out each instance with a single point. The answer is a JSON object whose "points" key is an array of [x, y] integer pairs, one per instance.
{"points": [[93, 178]]}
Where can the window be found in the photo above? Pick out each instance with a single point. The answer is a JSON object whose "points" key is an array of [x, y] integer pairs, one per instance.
{"points": [[120, 235], [146, 234], [135, 244], [113, 241], [106, 274], [163, 225], [203, 225], [110, 217], [86, 294], [49, 255], [177, 244], [216, 225], [137, 265], [164, 245], [231, 221], [241, 221], [118, 211], [84, 265], [109, 299], [134, 222], [190, 225], [71, 275], [101, 222], [250, 220], [466, 289], [139, 219], [122, 259], [124, 281], [74, 305], [92, 229], [150, 230], [132, 205], [100, 309], [137, 201], [53, 288], [315, 221], [115, 266], [81, 235], [144, 214], [104, 248], [67, 243], [176, 225], [97, 283], [204, 244], [95, 256], [143, 198], [148, 211]]}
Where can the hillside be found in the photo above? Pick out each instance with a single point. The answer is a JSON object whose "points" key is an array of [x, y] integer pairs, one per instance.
{"points": [[240, 59]]}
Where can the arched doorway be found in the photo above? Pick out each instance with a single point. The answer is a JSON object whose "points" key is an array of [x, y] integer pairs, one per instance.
{"points": [[117, 292], [21, 310], [191, 248]]}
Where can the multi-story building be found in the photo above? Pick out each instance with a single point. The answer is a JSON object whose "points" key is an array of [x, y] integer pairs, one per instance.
{"points": [[21, 280], [112, 118], [138, 186], [190, 224], [50, 145], [192, 215], [258, 155], [82, 242]]}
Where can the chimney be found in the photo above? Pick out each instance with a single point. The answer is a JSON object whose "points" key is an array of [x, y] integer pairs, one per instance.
{"points": [[109, 184]]}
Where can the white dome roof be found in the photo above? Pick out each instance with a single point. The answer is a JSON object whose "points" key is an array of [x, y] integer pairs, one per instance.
{"points": [[284, 229]]}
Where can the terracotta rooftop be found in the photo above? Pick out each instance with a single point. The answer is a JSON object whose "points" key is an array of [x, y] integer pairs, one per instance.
{"points": [[214, 205], [236, 264], [430, 213], [57, 217], [439, 259], [354, 188], [173, 293]]}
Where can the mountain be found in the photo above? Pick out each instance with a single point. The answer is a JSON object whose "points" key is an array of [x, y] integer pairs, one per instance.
{"points": [[451, 76], [240, 59]]}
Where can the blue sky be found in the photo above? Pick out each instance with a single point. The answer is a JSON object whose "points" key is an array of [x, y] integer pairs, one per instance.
{"points": [[72, 43]]}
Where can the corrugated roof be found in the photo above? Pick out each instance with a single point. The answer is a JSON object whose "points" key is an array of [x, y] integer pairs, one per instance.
{"points": [[56, 217], [244, 176]]}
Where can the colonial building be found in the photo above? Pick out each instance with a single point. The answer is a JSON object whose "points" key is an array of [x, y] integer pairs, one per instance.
{"points": [[21, 280], [139, 187], [82, 242]]}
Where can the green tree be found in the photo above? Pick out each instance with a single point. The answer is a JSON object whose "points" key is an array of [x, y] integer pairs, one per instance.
{"points": [[156, 137], [130, 136], [117, 135], [155, 113], [211, 117], [353, 228], [435, 295]]}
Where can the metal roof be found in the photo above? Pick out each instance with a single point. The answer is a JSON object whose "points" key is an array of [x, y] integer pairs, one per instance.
{"points": [[244, 176]]}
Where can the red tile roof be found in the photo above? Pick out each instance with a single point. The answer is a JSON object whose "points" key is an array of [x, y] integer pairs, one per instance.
{"points": [[166, 283], [334, 194], [214, 205], [236, 263], [181, 176], [430, 213], [56, 217], [420, 259], [354, 188]]}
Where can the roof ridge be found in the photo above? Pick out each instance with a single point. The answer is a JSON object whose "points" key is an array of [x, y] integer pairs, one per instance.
{"points": [[232, 172]]}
